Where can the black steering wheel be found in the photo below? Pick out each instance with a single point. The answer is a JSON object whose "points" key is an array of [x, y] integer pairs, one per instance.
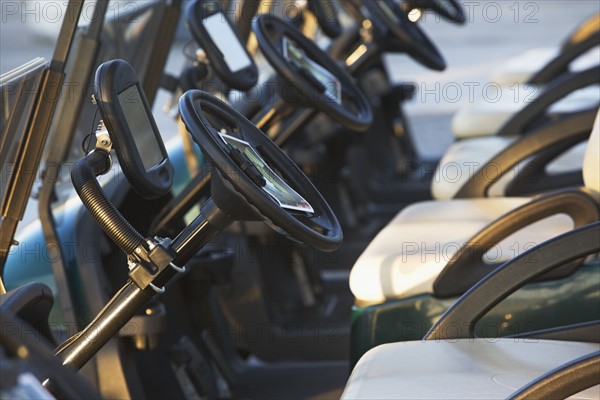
{"points": [[406, 36], [332, 91], [239, 184], [326, 12], [450, 10]]}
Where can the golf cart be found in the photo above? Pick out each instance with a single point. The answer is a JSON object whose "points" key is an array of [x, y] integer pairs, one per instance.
{"points": [[133, 340]]}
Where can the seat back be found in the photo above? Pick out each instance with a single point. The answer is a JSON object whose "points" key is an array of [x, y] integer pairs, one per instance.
{"points": [[591, 161], [584, 31], [585, 38]]}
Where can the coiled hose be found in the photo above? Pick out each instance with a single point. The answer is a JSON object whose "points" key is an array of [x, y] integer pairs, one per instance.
{"points": [[116, 227]]}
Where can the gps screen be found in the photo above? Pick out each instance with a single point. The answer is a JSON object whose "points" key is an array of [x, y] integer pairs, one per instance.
{"points": [[140, 127], [227, 42], [283, 194], [296, 56]]}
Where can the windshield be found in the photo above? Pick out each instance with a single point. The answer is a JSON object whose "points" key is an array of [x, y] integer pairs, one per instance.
{"points": [[17, 90]]}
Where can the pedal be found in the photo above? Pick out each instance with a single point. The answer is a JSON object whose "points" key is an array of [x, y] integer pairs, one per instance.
{"points": [[194, 372], [218, 357]]}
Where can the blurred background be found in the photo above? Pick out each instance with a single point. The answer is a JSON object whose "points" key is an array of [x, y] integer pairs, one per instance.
{"points": [[495, 31]]}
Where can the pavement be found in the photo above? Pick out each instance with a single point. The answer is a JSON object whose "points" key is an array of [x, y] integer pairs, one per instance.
{"points": [[495, 31]]}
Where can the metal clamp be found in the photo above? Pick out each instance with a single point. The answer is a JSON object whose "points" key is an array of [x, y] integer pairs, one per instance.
{"points": [[161, 290], [176, 268], [149, 260], [158, 290], [103, 141]]}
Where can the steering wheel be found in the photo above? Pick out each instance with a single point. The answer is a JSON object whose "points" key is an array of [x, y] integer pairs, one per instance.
{"points": [[313, 73], [450, 10], [326, 13], [239, 178], [406, 35]]}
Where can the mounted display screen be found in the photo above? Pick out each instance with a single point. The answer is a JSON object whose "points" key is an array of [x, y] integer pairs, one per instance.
{"points": [[276, 187], [225, 39], [225, 52], [141, 128], [297, 57], [132, 129]]}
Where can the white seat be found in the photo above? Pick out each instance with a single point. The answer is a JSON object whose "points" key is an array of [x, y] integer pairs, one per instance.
{"points": [[569, 161], [486, 115], [490, 111], [459, 369], [520, 68], [591, 162], [406, 257], [464, 158]]}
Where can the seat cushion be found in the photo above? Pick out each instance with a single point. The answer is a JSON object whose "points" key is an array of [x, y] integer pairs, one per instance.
{"points": [[520, 68], [570, 161], [460, 369], [464, 158], [496, 105], [406, 257], [591, 162], [489, 111]]}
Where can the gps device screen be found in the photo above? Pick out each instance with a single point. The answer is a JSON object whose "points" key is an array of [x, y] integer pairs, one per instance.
{"points": [[132, 129], [141, 128], [225, 53], [297, 57], [276, 187], [225, 39]]}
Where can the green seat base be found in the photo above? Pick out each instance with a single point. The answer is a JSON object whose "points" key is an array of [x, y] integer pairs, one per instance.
{"points": [[567, 301]]}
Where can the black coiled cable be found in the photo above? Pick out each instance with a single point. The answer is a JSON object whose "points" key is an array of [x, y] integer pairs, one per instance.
{"points": [[116, 227]]}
